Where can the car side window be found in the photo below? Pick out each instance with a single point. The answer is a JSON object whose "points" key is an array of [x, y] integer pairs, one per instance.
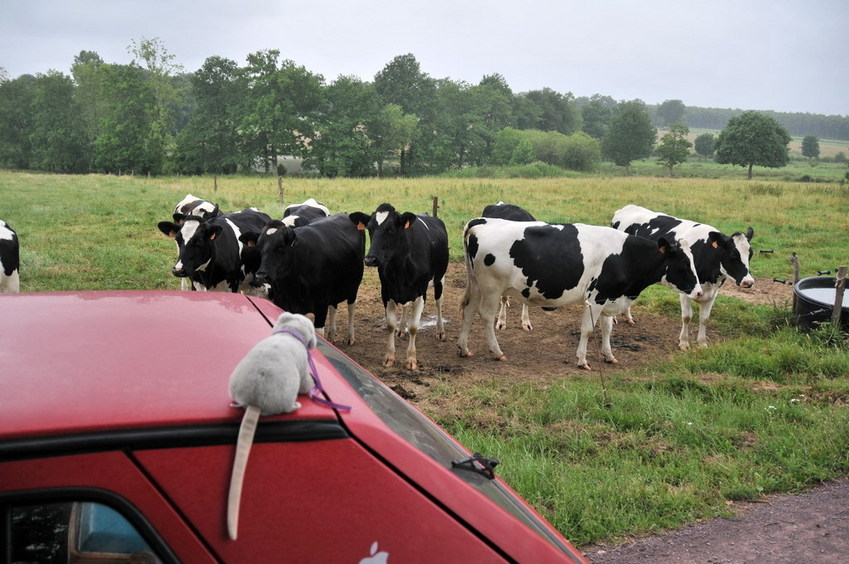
{"points": [[77, 533]]}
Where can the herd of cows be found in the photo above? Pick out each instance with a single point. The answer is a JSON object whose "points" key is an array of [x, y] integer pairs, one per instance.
{"points": [[310, 261]]}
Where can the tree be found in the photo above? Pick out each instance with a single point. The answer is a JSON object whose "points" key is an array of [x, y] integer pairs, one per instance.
{"points": [[57, 135], [631, 135], [210, 141], [281, 99], [557, 112], [671, 111], [16, 101], [704, 145], [160, 67], [596, 116], [674, 146], [810, 147], [753, 138], [124, 142], [89, 98], [344, 145]]}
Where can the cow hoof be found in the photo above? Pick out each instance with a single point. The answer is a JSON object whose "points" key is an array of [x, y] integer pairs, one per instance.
{"points": [[499, 326], [611, 360], [584, 366], [351, 341], [466, 354], [630, 322], [389, 362], [684, 346], [411, 365], [500, 358], [527, 327]]}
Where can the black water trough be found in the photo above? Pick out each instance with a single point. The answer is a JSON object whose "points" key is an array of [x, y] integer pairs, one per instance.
{"points": [[815, 302]]}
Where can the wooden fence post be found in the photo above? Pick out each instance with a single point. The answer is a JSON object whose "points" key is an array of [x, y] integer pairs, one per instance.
{"points": [[840, 287], [280, 188], [435, 206], [215, 183]]}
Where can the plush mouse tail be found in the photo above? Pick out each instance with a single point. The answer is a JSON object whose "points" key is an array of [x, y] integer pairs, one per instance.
{"points": [[240, 463]]}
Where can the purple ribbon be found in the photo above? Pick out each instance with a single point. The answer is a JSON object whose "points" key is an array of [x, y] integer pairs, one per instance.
{"points": [[317, 388]]}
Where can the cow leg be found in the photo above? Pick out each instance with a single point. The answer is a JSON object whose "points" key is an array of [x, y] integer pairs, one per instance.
{"points": [[330, 324], [468, 308], [391, 325], [686, 316], [501, 322], [438, 297], [352, 307], [413, 322], [629, 319], [526, 319], [488, 310], [588, 321], [704, 316], [403, 323], [606, 323]]}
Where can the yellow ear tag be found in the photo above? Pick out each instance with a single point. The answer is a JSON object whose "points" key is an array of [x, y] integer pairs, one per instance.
{"points": [[361, 226], [715, 245], [662, 249], [213, 236], [407, 225], [251, 243]]}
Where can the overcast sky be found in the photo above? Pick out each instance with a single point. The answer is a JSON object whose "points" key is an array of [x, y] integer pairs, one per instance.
{"points": [[783, 55]]}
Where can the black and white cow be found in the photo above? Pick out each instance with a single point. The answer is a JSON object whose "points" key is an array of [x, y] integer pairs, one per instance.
{"points": [[312, 268], [410, 252], [513, 213], [188, 214], [296, 215], [545, 264], [717, 257], [10, 260], [214, 258]]}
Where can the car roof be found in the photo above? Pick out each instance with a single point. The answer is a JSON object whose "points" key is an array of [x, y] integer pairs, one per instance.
{"points": [[76, 362]]}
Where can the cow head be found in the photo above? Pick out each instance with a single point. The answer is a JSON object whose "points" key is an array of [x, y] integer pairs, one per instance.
{"points": [[180, 232], [198, 250], [274, 244], [680, 268], [386, 231], [735, 252]]}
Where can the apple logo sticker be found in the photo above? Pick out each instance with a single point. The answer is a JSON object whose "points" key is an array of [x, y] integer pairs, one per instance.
{"points": [[376, 557]]}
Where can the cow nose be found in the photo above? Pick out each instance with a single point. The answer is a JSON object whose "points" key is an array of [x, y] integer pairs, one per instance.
{"points": [[179, 272], [260, 278], [747, 283], [370, 261]]}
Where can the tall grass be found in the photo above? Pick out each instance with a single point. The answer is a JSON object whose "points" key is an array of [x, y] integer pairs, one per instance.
{"points": [[765, 410]]}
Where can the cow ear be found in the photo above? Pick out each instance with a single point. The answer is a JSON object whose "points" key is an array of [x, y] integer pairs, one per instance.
{"points": [[179, 217], [214, 232], [359, 219], [249, 238], [662, 244], [715, 239], [408, 219], [169, 229], [750, 233], [290, 238]]}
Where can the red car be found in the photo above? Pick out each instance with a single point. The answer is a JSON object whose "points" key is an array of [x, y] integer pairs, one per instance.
{"points": [[117, 440]]}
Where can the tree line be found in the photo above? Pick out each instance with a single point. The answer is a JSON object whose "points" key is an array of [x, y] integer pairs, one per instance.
{"points": [[150, 117]]}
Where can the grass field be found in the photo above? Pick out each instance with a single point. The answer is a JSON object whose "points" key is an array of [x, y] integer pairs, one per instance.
{"points": [[765, 410]]}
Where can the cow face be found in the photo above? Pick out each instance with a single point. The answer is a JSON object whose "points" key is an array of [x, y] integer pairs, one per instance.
{"points": [[735, 252], [180, 232], [275, 243], [197, 251], [386, 229], [680, 269]]}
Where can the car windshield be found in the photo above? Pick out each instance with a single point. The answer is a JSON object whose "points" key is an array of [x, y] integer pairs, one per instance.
{"points": [[422, 433]]}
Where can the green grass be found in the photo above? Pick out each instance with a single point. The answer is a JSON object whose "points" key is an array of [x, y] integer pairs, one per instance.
{"points": [[765, 410]]}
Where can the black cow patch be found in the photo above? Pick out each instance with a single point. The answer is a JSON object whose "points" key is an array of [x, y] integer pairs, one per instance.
{"points": [[550, 258]]}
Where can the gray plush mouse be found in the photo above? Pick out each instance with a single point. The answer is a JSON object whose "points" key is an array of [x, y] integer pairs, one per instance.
{"points": [[267, 381]]}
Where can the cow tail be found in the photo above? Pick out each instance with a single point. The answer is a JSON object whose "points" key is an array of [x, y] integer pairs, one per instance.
{"points": [[240, 463]]}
